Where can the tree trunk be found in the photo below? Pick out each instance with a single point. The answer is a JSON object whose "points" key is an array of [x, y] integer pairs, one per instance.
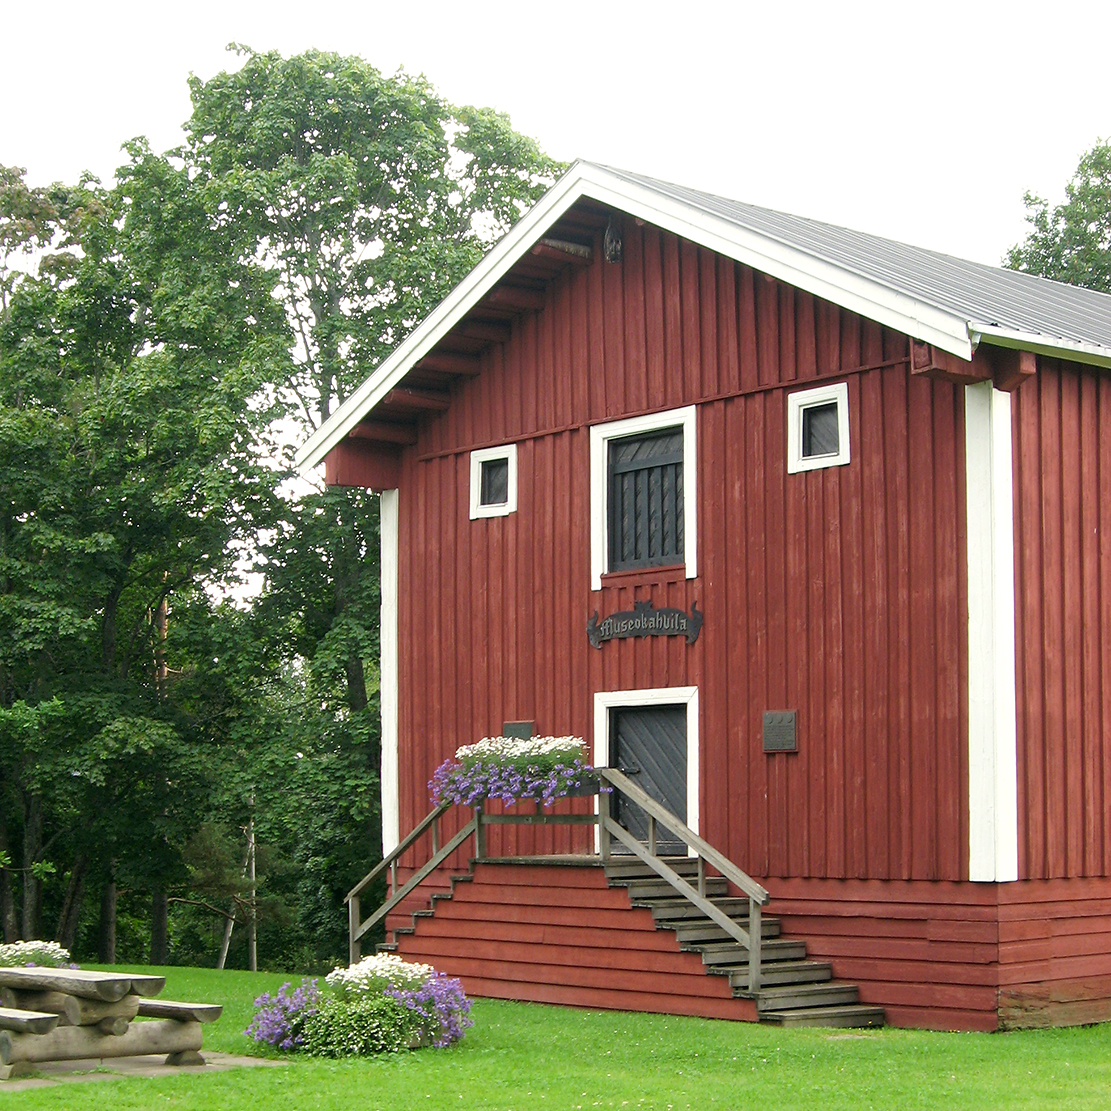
{"points": [[252, 877], [108, 630], [356, 684], [9, 921], [160, 619], [106, 935], [160, 909], [70, 914], [229, 924], [32, 850]]}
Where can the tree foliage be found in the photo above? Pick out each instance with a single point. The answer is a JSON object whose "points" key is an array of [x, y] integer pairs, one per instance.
{"points": [[1071, 242], [164, 345]]}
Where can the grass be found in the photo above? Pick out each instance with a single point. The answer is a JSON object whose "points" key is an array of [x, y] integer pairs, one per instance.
{"points": [[525, 1056]]}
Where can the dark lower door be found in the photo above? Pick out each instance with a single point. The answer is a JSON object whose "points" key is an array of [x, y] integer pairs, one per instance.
{"points": [[649, 744]]}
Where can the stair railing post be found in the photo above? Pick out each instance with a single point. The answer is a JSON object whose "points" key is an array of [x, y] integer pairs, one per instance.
{"points": [[651, 834], [393, 876], [702, 877], [603, 832], [353, 948], [755, 936], [479, 834], [435, 836]]}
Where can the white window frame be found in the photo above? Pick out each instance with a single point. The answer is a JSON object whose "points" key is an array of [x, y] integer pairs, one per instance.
{"points": [[605, 701], [486, 455], [600, 436], [797, 404]]}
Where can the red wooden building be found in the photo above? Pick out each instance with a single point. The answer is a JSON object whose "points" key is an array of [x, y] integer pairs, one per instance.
{"points": [[874, 472]]}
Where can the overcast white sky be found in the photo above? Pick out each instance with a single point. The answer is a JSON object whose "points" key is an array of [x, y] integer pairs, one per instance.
{"points": [[922, 122]]}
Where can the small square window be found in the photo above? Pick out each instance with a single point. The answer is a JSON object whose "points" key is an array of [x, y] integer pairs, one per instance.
{"points": [[818, 428], [494, 484], [494, 481]]}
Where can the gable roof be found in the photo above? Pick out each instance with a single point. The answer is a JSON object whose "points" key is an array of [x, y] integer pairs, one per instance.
{"points": [[948, 302]]}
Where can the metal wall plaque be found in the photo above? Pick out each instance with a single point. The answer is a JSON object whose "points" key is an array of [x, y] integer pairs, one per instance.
{"points": [[644, 620], [522, 730], [779, 731]]}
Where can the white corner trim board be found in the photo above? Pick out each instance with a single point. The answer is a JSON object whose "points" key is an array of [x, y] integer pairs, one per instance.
{"points": [[388, 537], [992, 710], [600, 436], [604, 701]]}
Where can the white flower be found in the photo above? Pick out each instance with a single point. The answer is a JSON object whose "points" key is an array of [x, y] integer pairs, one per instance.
{"points": [[19, 953], [379, 971], [515, 748]]}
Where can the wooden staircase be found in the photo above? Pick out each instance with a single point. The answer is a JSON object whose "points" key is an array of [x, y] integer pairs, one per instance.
{"points": [[768, 973], [793, 991]]}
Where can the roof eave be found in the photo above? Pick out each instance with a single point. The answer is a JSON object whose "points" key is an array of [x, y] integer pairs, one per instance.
{"points": [[833, 282], [859, 293], [442, 319], [1054, 346]]}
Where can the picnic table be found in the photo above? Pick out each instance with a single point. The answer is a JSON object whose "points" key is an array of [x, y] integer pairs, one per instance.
{"points": [[71, 1014]]}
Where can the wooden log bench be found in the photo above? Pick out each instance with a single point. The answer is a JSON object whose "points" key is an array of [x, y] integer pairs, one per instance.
{"points": [[53, 1014]]}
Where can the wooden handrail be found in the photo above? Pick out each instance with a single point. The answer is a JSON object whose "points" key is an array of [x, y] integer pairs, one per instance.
{"points": [[707, 854], [758, 896], [410, 837], [688, 891], [685, 834], [357, 929]]}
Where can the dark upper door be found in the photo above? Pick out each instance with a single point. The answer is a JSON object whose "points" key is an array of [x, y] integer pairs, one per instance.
{"points": [[649, 744]]}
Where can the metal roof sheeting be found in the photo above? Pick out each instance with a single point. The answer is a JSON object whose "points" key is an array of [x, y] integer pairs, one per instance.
{"points": [[988, 295]]}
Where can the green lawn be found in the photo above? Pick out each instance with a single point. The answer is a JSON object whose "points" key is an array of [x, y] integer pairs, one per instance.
{"points": [[524, 1056]]}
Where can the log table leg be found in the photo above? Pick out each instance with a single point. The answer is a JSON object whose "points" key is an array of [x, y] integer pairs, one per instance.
{"points": [[76, 1043]]}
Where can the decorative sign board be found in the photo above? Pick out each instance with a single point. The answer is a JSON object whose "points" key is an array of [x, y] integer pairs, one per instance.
{"points": [[644, 620]]}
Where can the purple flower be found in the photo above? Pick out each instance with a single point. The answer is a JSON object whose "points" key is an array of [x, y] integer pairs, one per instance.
{"points": [[468, 783], [443, 1006], [279, 1018]]}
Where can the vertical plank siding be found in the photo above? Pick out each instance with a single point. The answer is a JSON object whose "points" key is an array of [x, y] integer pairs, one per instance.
{"points": [[838, 593], [1061, 424]]}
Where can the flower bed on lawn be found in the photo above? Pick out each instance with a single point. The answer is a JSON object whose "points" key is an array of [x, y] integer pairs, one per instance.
{"points": [[510, 769], [34, 954], [380, 1005]]}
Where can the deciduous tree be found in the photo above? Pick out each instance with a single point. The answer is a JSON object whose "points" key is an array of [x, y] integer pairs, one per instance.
{"points": [[1071, 242]]}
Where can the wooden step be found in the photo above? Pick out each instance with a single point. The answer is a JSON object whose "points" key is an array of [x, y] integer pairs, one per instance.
{"points": [[677, 908], [859, 1014], [711, 931], [386, 947], [793, 997], [424, 914], [633, 867], [649, 889], [779, 972], [729, 952]]}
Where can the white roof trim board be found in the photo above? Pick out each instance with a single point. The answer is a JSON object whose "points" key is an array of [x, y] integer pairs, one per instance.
{"points": [[948, 302]]}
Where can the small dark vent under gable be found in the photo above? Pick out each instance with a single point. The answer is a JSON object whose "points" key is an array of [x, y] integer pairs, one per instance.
{"points": [[645, 476]]}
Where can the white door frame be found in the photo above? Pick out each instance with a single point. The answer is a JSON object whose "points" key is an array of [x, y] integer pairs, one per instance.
{"points": [[605, 701]]}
